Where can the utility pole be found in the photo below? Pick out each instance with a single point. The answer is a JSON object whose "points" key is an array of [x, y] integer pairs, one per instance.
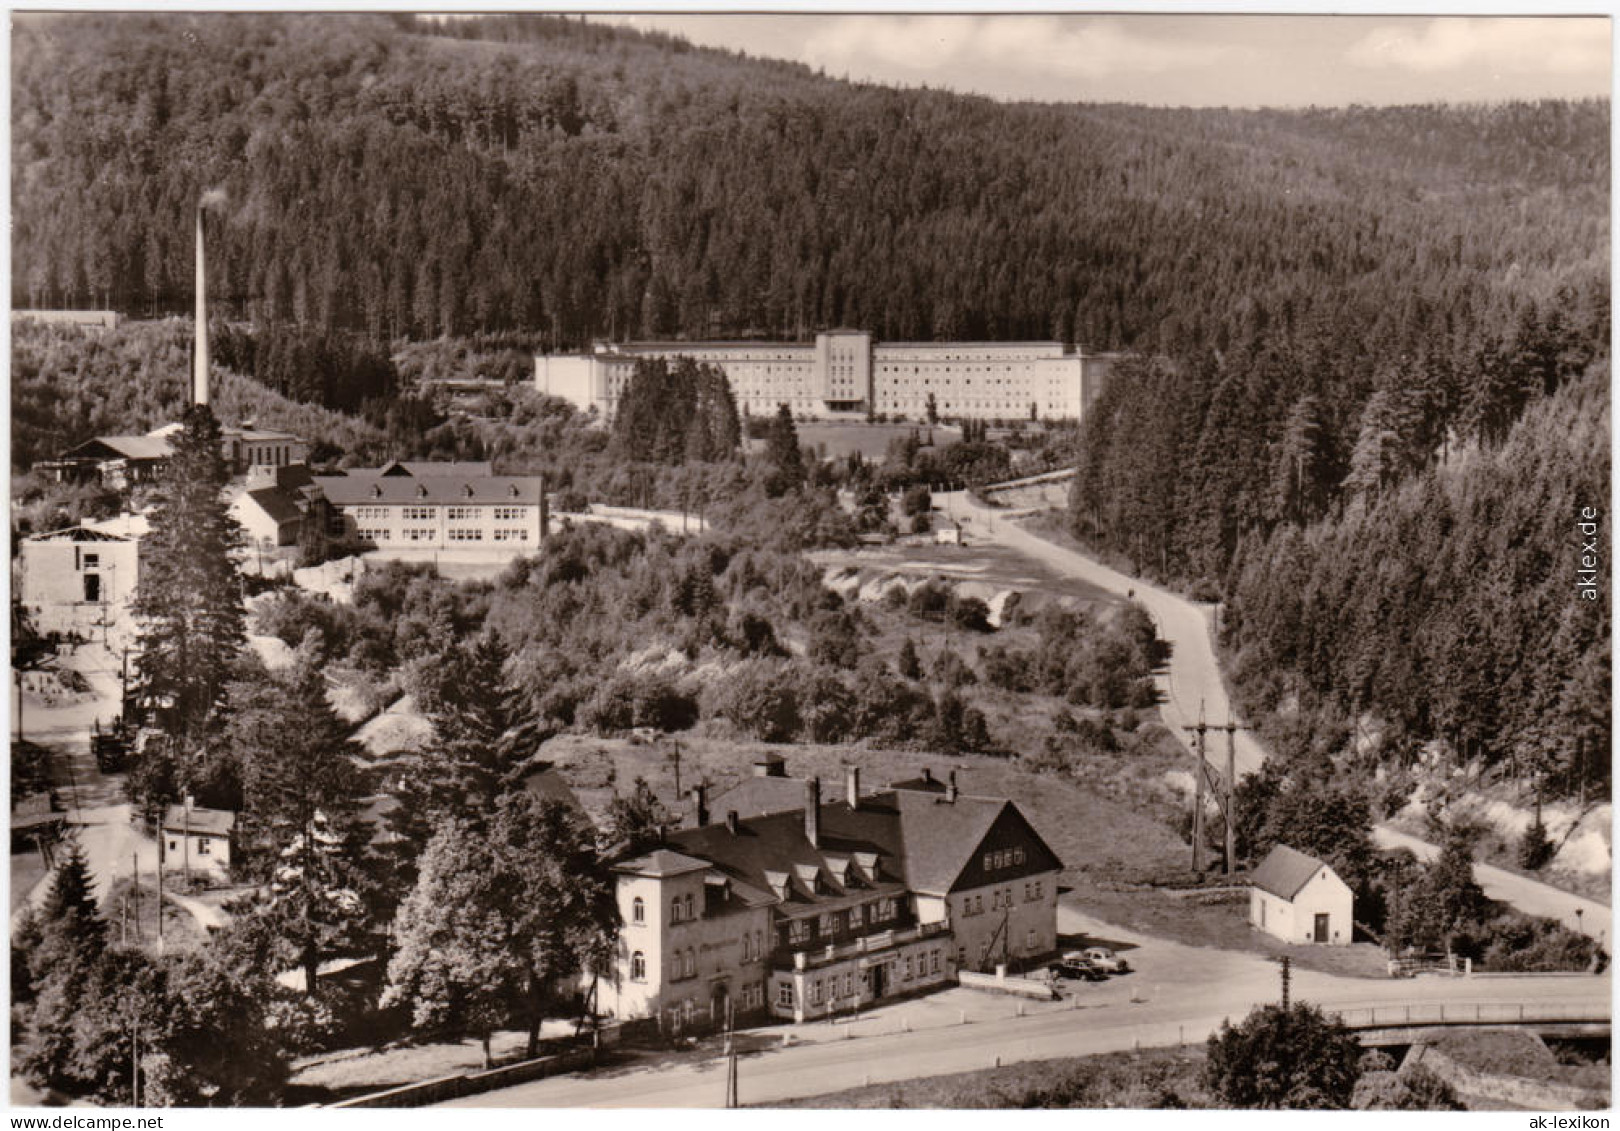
{"points": [[135, 891], [1231, 791], [731, 1060], [1286, 978], [1198, 795], [675, 759]]}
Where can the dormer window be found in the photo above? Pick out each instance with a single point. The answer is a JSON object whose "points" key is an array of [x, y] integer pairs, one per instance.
{"points": [[513, 490], [376, 490], [421, 491], [466, 491]]}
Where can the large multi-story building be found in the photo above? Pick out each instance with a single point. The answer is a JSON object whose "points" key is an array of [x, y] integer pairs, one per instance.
{"points": [[436, 506], [816, 907], [845, 372]]}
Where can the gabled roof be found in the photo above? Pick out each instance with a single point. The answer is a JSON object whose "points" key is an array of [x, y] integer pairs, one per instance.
{"points": [[355, 490], [121, 447], [1284, 871], [545, 782], [200, 822], [756, 796], [924, 842], [76, 534], [941, 836], [274, 502], [429, 468]]}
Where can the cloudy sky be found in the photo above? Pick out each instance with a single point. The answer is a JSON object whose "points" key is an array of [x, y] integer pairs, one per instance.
{"points": [[1183, 60]]}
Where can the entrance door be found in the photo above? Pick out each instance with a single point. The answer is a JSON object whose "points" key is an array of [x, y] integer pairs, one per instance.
{"points": [[1321, 928], [92, 588], [720, 1005], [877, 982]]}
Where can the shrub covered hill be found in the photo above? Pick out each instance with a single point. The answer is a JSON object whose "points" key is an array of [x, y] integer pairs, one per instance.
{"points": [[1338, 318]]}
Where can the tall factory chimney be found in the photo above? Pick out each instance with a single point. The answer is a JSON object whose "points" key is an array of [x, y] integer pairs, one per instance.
{"points": [[199, 376]]}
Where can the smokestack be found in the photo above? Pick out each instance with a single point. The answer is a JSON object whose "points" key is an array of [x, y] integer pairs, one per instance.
{"points": [[812, 812], [199, 377], [950, 787], [700, 794], [852, 786]]}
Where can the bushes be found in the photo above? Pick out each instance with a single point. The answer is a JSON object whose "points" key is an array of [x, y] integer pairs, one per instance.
{"points": [[1283, 1058]]}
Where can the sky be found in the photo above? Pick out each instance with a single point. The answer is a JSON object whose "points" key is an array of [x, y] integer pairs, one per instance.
{"points": [[1182, 60]]}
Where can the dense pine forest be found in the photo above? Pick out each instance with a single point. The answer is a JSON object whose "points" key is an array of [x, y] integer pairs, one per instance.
{"points": [[1366, 388], [559, 177]]}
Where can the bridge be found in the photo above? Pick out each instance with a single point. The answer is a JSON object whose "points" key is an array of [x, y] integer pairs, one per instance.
{"points": [[1394, 1024]]}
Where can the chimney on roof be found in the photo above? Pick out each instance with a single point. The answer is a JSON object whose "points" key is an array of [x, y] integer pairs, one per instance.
{"points": [[700, 794], [731, 821], [950, 787], [928, 774], [812, 812], [852, 786]]}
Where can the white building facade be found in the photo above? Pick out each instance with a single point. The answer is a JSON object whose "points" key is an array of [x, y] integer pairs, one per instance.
{"points": [[1299, 899], [845, 372]]}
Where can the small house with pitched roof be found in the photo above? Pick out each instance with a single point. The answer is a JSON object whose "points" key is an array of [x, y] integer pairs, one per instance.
{"points": [[1300, 899]]}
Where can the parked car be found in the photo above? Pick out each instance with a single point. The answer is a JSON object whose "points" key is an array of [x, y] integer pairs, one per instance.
{"points": [[1106, 960], [1075, 969]]}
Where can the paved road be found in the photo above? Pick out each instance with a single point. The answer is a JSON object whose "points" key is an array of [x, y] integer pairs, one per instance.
{"points": [[1193, 678], [889, 1045], [1526, 894]]}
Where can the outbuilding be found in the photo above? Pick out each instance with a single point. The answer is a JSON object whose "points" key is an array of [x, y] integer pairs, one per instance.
{"points": [[1299, 899]]}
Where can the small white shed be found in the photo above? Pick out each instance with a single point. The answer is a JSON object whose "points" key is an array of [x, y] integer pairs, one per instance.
{"points": [[1299, 899]]}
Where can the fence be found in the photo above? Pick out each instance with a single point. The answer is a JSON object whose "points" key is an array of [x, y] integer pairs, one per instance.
{"points": [[1470, 1013]]}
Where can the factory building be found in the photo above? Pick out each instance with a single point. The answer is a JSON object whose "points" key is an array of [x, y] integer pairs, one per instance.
{"points": [[846, 372]]}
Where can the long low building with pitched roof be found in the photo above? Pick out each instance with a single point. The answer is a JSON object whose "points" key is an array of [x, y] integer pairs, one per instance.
{"points": [[436, 506]]}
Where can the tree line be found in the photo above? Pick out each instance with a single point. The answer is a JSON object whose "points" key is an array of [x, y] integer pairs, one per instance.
{"points": [[407, 179]]}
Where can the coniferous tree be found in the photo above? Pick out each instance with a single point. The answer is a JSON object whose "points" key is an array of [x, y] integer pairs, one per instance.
{"points": [[782, 454], [300, 823], [189, 599]]}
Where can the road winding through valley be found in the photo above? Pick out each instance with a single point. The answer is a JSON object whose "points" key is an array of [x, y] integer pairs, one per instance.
{"points": [[1192, 682]]}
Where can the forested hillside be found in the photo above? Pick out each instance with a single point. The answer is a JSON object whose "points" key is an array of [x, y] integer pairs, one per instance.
{"points": [[1330, 309], [1451, 608], [543, 174]]}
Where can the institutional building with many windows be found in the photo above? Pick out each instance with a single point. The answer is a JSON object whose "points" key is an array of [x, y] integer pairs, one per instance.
{"points": [[436, 506], [800, 908], [846, 372]]}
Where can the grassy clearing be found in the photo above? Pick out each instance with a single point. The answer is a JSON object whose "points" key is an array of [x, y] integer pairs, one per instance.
{"points": [[181, 931], [1151, 1078], [336, 1077]]}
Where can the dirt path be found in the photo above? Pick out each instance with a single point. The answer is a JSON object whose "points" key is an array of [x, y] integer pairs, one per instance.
{"points": [[1192, 681]]}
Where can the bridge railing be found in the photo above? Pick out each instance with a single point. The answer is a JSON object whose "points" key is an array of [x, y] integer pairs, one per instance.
{"points": [[1469, 1013]]}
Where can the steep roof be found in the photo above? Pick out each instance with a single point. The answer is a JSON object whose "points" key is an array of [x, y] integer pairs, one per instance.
{"points": [[76, 534], [200, 822], [756, 796], [545, 782], [125, 447], [662, 862], [429, 468], [274, 502], [353, 490], [924, 842], [1284, 871]]}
